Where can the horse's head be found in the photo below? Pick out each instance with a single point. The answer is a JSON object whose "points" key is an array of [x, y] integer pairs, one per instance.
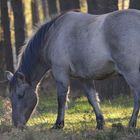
{"points": [[23, 98]]}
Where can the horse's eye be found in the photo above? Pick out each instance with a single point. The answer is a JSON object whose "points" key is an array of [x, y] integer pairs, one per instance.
{"points": [[21, 95]]}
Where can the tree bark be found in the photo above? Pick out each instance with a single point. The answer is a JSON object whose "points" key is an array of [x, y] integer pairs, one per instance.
{"points": [[123, 4], [92, 6], [1, 50], [7, 36], [53, 8], [102, 6], [66, 5], [44, 5], [35, 12], [19, 23], [2, 56], [134, 4]]}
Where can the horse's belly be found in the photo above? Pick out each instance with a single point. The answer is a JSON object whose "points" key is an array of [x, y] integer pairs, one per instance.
{"points": [[96, 72], [105, 72]]}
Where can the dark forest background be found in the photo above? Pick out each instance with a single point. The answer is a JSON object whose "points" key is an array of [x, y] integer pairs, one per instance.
{"points": [[18, 19]]}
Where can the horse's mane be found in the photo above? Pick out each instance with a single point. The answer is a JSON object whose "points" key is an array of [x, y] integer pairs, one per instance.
{"points": [[28, 56], [39, 33], [29, 53], [34, 42]]}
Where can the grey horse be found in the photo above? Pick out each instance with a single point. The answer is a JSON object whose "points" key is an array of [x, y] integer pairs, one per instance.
{"points": [[83, 46]]}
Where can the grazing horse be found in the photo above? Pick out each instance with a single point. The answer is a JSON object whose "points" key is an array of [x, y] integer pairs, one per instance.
{"points": [[84, 46]]}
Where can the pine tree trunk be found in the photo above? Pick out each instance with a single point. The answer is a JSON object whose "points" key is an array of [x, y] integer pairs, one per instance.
{"points": [[7, 36], [1, 49], [19, 23], [92, 6], [44, 5], [112, 6], [134, 4], [53, 8], [3, 86], [66, 5], [123, 4], [35, 12], [102, 6], [2, 56]]}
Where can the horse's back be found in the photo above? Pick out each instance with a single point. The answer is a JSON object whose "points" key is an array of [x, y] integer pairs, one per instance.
{"points": [[93, 46], [80, 45]]}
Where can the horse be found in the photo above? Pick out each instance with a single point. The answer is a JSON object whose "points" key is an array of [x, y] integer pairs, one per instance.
{"points": [[77, 45]]}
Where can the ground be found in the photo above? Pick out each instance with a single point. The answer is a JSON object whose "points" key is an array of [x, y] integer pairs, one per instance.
{"points": [[79, 122]]}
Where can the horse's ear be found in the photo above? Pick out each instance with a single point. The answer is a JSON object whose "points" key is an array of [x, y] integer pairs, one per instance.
{"points": [[20, 76], [9, 75]]}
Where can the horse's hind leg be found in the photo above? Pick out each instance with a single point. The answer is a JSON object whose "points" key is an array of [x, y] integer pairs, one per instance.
{"points": [[133, 120], [133, 79], [94, 101]]}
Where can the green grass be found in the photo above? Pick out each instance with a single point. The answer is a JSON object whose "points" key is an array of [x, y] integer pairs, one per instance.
{"points": [[79, 122], [80, 112]]}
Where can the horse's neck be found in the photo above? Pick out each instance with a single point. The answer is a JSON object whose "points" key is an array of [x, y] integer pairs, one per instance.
{"points": [[36, 73]]}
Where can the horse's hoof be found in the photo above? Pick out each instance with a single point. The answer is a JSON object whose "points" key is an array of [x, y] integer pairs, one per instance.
{"points": [[132, 124], [58, 126], [100, 127], [100, 123]]}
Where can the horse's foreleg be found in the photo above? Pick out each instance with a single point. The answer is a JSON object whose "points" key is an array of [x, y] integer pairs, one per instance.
{"points": [[62, 89], [133, 120], [94, 101]]}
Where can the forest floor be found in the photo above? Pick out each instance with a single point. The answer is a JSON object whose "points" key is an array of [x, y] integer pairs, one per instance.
{"points": [[79, 122]]}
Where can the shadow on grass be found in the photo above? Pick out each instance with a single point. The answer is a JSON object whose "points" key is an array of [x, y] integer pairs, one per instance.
{"points": [[117, 119], [42, 132]]}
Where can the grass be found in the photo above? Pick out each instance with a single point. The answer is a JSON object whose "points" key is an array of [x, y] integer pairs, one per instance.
{"points": [[79, 122], [79, 112]]}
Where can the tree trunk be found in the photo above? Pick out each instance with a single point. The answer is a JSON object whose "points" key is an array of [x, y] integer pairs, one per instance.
{"points": [[102, 6], [7, 36], [3, 86], [1, 49], [19, 23], [35, 12], [53, 8], [112, 5], [92, 6], [1, 60], [123, 4], [66, 5], [44, 5], [134, 4]]}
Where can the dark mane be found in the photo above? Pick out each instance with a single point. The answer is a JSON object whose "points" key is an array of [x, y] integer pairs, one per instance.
{"points": [[29, 55]]}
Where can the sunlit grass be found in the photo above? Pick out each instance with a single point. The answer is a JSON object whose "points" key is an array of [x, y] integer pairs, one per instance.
{"points": [[80, 113], [80, 121]]}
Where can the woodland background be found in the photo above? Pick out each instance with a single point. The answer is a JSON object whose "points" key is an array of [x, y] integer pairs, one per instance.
{"points": [[18, 18]]}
